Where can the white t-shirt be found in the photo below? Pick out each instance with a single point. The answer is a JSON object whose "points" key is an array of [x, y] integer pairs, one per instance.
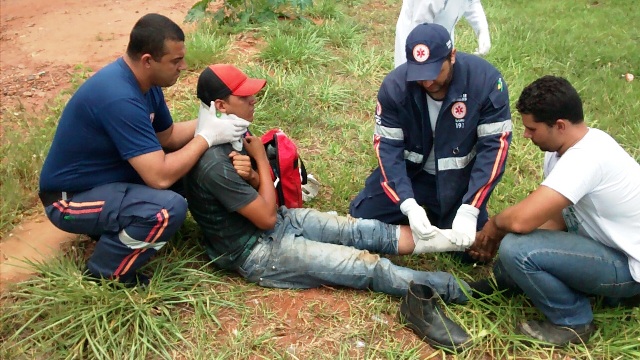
{"points": [[603, 183], [434, 110]]}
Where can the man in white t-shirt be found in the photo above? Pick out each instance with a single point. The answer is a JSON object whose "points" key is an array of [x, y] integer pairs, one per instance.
{"points": [[578, 234], [443, 12]]}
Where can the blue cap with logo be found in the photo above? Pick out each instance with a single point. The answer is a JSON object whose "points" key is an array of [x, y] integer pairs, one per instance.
{"points": [[427, 47]]}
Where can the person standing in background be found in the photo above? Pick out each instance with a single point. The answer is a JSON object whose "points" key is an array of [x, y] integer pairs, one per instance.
{"points": [[443, 12]]}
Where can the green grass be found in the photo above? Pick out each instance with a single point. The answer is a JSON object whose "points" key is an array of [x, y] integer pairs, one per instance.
{"points": [[24, 144], [323, 73], [208, 46], [305, 49]]}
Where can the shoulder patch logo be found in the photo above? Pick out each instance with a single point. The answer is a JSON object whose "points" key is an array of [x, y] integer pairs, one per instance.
{"points": [[421, 53], [459, 110], [378, 108], [499, 85]]}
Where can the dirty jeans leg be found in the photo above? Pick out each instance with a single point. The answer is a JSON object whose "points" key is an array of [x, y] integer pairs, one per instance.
{"points": [[558, 269], [362, 234], [134, 221], [337, 255]]}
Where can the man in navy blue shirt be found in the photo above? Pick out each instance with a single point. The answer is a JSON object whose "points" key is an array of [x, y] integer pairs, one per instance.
{"points": [[442, 133], [116, 152]]}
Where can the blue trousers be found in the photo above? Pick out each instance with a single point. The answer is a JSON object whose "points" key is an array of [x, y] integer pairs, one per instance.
{"points": [[308, 248], [557, 270], [133, 222]]}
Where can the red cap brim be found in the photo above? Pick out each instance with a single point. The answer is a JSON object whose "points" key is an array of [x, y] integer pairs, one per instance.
{"points": [[249, 87]]}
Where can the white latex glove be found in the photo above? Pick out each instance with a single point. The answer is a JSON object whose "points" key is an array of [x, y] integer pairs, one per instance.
{"points": [[463, 230], [418, 220], [484, 42], [219, 130]]}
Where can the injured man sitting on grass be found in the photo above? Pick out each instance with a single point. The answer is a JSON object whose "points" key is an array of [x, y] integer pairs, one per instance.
{"points": [[234, 204]]}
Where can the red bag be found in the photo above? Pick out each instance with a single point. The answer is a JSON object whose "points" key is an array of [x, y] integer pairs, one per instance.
{"points": [[287, 169]]}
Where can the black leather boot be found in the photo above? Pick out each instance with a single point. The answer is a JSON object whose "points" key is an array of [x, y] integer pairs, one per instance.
{"points": [[420, 312]]}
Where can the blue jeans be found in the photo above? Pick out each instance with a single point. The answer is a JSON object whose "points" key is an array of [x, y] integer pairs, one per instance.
{"points": [[557, 270], [308, 248]]}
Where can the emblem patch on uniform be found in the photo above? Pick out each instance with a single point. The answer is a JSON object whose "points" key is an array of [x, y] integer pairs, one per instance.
{"points": [[459, 110], [378, 108], [499, 85], [421, 53]]}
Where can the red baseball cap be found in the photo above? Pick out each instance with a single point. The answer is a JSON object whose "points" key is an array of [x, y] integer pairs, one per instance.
{"points": [[221, 80]]}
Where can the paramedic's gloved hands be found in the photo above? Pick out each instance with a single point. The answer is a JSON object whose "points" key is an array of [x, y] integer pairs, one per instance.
{"points": [[216, 130], [464, 225], [484, 42], [418, 220]]}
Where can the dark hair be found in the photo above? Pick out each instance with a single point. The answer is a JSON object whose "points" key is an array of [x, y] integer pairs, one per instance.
{"points": [[149, 34], [551, 98], [211, 88]]}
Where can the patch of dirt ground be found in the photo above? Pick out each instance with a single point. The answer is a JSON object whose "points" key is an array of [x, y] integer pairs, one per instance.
{"points": [[41, 43]]}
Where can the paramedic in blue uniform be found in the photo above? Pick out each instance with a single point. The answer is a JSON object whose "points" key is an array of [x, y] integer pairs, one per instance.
{"points": [[442, 133], [116, 153]]}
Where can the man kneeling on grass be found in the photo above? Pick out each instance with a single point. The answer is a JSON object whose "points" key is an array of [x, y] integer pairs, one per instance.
{"points": [[235, 206], [578, 234]]}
